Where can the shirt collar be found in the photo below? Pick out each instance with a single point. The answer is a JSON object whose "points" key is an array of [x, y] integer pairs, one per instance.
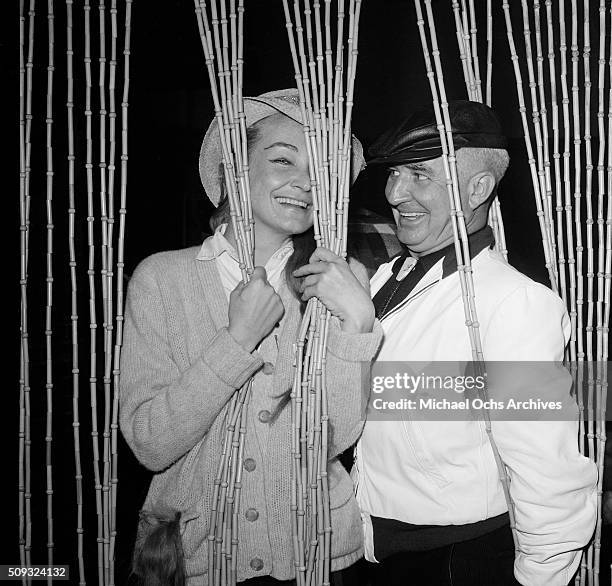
{"points": [[216, 245]]}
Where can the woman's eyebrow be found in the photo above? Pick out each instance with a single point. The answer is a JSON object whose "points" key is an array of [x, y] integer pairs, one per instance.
{"points": [[282, 144]]}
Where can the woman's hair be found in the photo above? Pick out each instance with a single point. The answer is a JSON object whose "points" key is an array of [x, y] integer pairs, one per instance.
{"points": [[303, 244], [158, 555]]}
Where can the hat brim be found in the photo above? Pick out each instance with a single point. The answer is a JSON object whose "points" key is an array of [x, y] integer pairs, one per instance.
{"points": [[284, 102]]}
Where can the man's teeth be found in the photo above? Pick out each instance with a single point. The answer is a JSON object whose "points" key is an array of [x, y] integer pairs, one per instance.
{"points": [[294, 202], [412, 215]]}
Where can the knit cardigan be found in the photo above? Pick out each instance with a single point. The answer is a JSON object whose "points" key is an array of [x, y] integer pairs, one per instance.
{"points": [[179, 369]]}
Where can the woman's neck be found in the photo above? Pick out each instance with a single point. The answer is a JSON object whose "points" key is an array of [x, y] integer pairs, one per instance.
{"points": [[266, 244]]}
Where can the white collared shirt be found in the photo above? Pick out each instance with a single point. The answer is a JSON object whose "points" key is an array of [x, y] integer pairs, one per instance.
{"points": [[225, 255]]}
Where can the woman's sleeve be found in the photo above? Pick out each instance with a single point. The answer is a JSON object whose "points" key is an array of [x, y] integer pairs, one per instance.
{"points": [[166, 409], [348, 366]]}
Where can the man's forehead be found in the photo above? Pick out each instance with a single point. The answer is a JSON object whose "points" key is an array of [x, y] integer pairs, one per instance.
{"points": [[429, 165]]}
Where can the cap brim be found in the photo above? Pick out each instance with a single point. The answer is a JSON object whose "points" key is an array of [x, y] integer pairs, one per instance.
{"points": [[427, 150]]}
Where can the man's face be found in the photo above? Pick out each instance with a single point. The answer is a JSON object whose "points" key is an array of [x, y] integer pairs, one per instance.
{"points": [[419, 199]]}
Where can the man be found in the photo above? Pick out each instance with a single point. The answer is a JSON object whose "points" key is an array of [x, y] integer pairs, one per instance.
{"points": [[432, 503]]}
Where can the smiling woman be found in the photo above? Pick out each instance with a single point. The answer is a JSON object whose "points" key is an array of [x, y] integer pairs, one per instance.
{"points": [[280, 184], [195, 333]]}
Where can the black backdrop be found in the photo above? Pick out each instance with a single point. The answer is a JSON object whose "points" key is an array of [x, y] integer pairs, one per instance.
{"points": [[169, 111], [172, 108]]}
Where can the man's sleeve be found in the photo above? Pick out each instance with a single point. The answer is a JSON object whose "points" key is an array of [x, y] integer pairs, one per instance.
{"points": [[552, 486]]}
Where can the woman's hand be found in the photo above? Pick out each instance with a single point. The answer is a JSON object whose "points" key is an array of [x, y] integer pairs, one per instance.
{"points": [[330, 278], [254, 309]]}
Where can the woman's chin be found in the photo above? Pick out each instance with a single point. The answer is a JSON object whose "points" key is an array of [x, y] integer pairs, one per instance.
{"points": [[295, 226], [284, 225]]}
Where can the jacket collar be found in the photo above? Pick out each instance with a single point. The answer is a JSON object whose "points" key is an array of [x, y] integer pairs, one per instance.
{"points": [[478, 241], [439, 264]]}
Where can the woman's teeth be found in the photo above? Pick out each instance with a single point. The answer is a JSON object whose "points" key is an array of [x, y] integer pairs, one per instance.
{"points": [[412, 215], [293, 202]]}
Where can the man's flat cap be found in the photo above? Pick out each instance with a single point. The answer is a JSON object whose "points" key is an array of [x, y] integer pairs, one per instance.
{"points": [[417, 139]]}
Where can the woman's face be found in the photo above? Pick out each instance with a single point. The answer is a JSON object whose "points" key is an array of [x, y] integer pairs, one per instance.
{"points": [[281, 196]]}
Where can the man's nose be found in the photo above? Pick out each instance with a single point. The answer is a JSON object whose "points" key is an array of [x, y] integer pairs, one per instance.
{"points": [[398, 191]]}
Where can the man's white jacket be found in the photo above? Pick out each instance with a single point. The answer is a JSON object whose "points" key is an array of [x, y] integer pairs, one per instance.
{"points": [[444, 472]]}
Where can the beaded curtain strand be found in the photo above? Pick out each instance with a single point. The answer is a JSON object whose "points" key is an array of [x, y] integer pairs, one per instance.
{"points": [[588, 439], [562, 266], [49, 283], [104, 269], [571, 257], [98, 273], [114, 480], [91, 273], [326, 98], [330, 229], [537, 174], [468, 54], [460, 237], [604, 324], [601, 382], [495, 219], [541, 116], [74, 312], [105, 345], [577, 176], [225, 76], [26, 65], [586, 294]]}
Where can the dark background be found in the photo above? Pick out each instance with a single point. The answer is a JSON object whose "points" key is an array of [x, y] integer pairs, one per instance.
{"points": [[169, 110]]}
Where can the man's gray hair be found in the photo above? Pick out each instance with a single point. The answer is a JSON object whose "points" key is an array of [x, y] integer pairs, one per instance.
{"points": [[472, 160]]}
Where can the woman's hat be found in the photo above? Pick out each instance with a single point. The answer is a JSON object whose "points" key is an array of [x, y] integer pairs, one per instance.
{"points": [[285, 102]]}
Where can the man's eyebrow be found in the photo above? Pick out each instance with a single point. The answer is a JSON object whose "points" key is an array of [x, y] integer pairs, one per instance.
{"points": [[419, 167], [282, 144]]}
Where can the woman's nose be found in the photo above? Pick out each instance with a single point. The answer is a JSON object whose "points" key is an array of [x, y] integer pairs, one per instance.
{"points": [[302, 181]]}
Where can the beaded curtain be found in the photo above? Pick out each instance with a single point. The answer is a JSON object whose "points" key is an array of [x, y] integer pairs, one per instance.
{"points": [[73, 198]]}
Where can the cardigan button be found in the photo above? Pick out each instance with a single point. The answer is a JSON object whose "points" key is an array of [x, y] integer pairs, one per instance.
{"points": [[249, 465], [268, 368], [251, 515], [264, 416], [256, 564]]}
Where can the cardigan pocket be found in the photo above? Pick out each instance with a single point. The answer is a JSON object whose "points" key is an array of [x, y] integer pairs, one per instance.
{"points": [[347, 536], [340, 485], [194, 531], [421, 454]]}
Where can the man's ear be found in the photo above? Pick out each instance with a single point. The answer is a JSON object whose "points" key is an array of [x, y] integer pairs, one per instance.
{"points": [[480, 187]]}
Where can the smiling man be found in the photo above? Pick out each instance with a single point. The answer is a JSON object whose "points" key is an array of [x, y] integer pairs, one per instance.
{"points": [[433, 508]]}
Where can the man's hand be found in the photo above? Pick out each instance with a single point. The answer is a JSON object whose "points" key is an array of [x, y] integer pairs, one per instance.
{"points": [[254, 309], [330, 278]]}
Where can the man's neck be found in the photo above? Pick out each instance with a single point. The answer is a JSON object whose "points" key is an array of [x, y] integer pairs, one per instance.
{"points": [[478, 240], [474, 226]]}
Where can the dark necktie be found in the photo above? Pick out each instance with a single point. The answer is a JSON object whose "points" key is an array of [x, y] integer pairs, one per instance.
{"points": [[393, 292]]}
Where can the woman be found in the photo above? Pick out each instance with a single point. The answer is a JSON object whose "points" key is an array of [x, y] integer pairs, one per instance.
{"points": [[195, 334]]}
